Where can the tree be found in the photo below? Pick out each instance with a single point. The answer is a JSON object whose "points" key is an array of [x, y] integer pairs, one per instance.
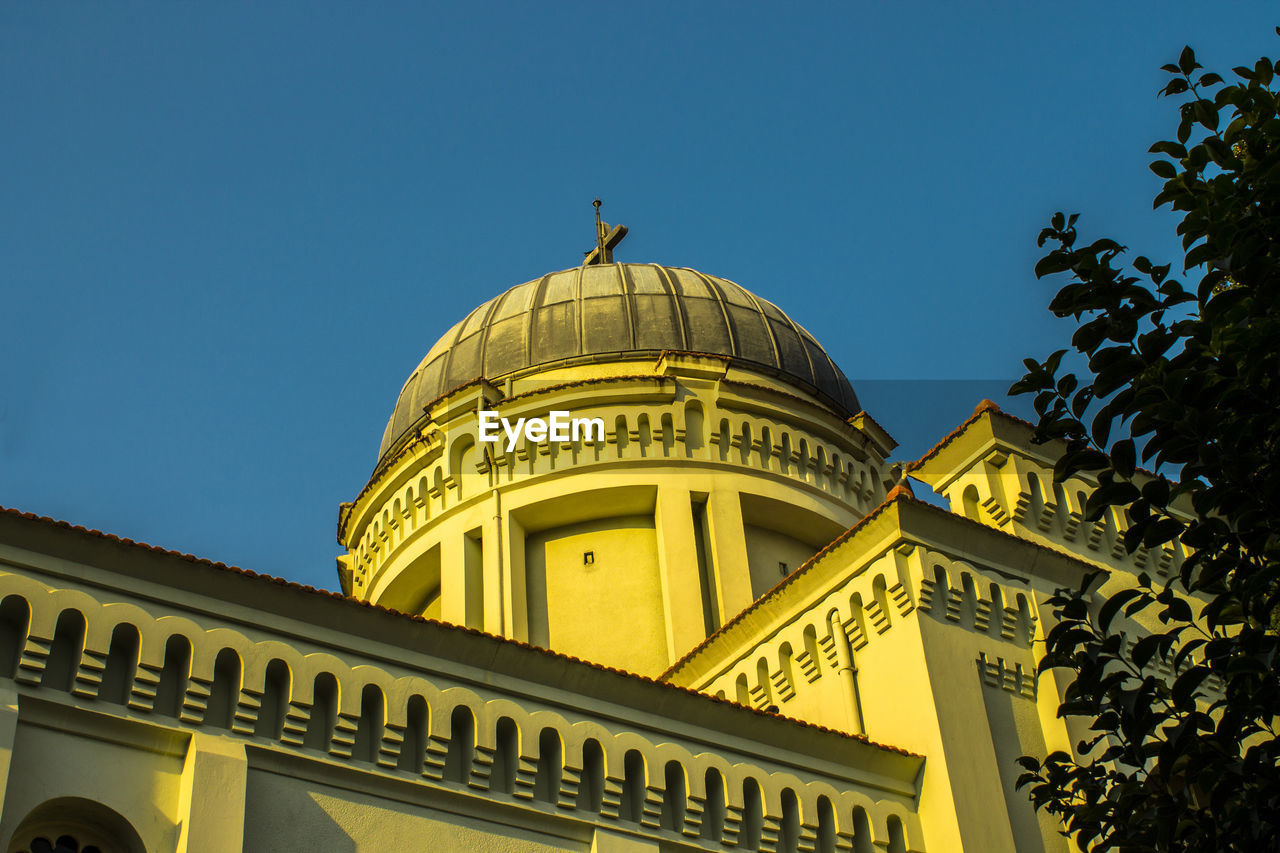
{"points": [[1185, 379]]}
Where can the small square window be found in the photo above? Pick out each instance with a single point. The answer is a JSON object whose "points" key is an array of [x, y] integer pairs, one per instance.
{"points": [[782, 569], [588, 558]]}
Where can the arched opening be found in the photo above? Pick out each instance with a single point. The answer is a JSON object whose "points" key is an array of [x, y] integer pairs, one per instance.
{"points": [[15, 620], [506, 756], [621, 435], [752, 815], [324, 713], [897, 838], [811, 649], [826, 840], [75, 825], [462, 745], [786, 661], [859, 614], [121, 666], [674, 797], [765, 453], [668, 434], [742, 692], [64, 653], [997, 603], [694, 431], [972, 507], [644, 434], [591, 786], [373, 718], [224, 695], [789, 827], [713, 809], [1035, 501], [550, 766], [969, 598], [413, 751], [766, 685], [861, 831], [880, 591], [941, 589], [462, 464], [276, 684], [171, 692], [1060, 498], [1024, 619], [633, 786]]}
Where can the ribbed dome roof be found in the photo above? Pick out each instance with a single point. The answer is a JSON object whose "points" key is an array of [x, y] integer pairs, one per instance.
{"points": [[627, 311]]}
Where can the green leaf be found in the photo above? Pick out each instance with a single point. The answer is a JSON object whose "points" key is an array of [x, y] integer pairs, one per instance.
{"points": [[1156, 492], [1187, 60], [1175, 151], [1185, 374], [1123, 457], [1262, 72], [1184, 688], [1112, 606], [1161, 531], [1054, 262], [1145, 649]]}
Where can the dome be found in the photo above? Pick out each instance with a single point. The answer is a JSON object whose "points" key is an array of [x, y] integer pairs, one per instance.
{"points": [[623, 312]]}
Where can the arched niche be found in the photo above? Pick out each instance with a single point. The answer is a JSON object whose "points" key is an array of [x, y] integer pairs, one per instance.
{"points": [[75, 823]]}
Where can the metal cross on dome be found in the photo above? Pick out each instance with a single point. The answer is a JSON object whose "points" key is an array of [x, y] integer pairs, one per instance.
{"points": [[606, 240]]}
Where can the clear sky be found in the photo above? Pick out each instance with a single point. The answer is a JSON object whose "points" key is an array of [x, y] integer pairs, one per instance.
{"points": [[229, 231]]}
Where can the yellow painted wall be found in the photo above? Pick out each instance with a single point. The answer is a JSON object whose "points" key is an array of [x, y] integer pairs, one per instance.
{"points": [[766, 549], [286, 813], [139, 783], [609, 610]]}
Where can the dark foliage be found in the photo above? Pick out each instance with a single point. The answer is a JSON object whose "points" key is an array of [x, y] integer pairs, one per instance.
{"points": [[1184, 379]]}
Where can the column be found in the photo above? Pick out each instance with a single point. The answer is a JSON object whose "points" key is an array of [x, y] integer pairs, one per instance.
{"points": [[728, 545], [212, 795], [681, 585]]}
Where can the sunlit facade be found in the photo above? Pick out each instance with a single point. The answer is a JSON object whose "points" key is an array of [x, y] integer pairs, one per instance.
{"points": [[726, 623]]}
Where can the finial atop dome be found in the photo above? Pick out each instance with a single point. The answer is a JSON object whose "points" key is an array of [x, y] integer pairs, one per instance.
{"points": [[606, 240]]}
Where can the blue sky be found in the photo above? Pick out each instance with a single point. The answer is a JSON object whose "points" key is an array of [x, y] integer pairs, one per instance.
{"points": [[229, 231]]}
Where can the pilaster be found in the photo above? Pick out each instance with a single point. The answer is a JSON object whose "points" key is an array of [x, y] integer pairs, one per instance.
{"points": [[211, 798]]}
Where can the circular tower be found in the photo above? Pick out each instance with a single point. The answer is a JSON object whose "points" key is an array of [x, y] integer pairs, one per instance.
{"points": [[709, 446]]}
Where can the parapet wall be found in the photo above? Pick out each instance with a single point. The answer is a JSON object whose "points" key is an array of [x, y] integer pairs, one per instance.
{"points": [[104, 646]]}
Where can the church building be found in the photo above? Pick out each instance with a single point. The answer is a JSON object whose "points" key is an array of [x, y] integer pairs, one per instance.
{"points": [[721, 621]]}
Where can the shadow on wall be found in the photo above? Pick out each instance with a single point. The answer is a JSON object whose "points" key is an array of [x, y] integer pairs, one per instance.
{"points": [[293, 819]]}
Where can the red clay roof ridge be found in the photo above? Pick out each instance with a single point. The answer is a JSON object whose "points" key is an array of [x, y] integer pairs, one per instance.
{"points": [[982, 408], [902, 490]]}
